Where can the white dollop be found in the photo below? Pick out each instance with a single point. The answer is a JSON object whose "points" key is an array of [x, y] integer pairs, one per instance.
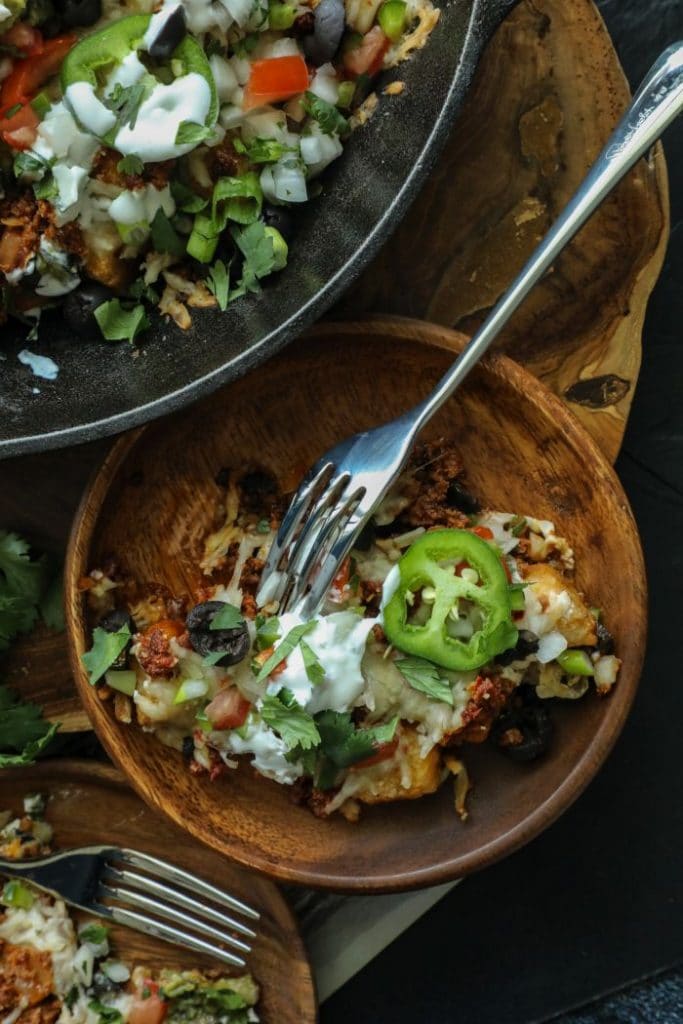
{"points": [[141, 205], [14, 276], [88, 108], [389, 587], [338, 641], [128, 72], [268, 750], [152, 138], [41, 366], [57, 277]]}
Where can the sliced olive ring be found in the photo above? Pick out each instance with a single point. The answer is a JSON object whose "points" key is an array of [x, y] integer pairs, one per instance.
{"points": [[233, 643]]}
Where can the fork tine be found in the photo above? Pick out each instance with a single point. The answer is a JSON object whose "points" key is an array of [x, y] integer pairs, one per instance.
{"points": [[163, 931], [304, 499], [305, 561], [174, 897], [138, 901], [328, 563], [197, 886]]}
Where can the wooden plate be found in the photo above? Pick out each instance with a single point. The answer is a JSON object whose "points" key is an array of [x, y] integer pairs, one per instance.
{"points": [[154, 498], [90, 803]]}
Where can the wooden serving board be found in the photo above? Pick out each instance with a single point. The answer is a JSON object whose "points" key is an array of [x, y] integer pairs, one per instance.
{"points": [[547, 94]]}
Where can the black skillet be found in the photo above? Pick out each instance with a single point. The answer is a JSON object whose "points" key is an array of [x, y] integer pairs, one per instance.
{"points": [[103, 388]]}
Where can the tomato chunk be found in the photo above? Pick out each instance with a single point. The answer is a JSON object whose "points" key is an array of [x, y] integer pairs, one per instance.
{"points": [[148, 1007], [29, 74], [273, 80], [19, 130], [367, 57], [228, 709]]}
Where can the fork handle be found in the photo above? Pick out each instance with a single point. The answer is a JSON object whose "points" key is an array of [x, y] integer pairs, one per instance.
{"points": [[656, 104]]}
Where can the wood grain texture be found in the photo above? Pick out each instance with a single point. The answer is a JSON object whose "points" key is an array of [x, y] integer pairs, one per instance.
{"points": [[546, 96], [90, 803], [155, 497]]}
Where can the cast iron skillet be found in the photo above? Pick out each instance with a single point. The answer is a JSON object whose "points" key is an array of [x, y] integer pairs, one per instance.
{"points": [[103, 388]]}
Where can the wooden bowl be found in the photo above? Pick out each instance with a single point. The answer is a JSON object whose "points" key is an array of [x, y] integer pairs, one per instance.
{"points": [[154, 497], [90, 803]]}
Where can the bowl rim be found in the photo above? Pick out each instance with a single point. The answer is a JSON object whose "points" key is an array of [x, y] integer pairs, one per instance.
{"points": [[83, 530]]}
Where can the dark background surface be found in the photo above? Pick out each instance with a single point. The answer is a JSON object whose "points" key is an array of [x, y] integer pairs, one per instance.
{"points": [[595, 903]]}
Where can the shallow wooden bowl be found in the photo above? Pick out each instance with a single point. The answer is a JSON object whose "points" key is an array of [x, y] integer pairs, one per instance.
{"points": [[90, 803], [155, 497]]}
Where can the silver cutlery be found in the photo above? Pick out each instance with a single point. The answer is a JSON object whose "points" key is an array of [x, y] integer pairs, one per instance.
{"points": [[342, 490], [147, 894]]}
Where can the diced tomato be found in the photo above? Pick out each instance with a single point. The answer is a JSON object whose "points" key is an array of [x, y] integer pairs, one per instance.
{"points": [[19, 130], [367, 57], [273, 80], [483, 532], [171, 628], [148, 1007], [341, 580], [29, 74], [460, 566], [383, 752], [23, 37], [228, 709], [506, 567]]}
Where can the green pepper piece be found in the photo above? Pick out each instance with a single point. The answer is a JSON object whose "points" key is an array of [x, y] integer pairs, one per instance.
{"points": [[422, 566], [575, 662], [281, 16], [103, 50], [392, 19]]}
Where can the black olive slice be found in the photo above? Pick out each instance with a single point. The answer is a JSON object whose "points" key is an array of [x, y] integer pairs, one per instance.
{"points": [[171, 33], [79, 309], [234, 643], [79, 13], [524, 730], [458, 497], [112, 622], [322, 45]]}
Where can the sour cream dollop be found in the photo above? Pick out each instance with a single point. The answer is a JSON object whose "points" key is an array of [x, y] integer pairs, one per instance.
{"points": [[153, 136]]}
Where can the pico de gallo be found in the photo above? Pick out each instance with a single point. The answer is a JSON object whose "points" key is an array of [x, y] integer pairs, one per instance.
{"points": [[450, 624], [153, 153]]}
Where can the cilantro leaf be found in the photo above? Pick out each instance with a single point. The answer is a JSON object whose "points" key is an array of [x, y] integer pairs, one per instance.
{"points": [[284, 649], [262, 151], [95, 933], [259, 256], [105, 649], [23, 577], [165, 238], [218, 282], [108, 1014], [424, 676], [46, 188], [125, 101], [267, 631], [314, 670], [228, 617], [130, 164], [186, 200], [343, 744], [24, 733], [287, 718], [327, 116], [119, 324], [190, 133]]}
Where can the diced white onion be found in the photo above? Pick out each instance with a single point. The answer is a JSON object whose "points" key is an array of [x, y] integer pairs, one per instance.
{"points": [[606, 669], [194, 688], [550, 646], [224, 76], [240, 10], [231, 116], [115, 971], [290, 182], [285, 47], [325, 84], [318, 151]]}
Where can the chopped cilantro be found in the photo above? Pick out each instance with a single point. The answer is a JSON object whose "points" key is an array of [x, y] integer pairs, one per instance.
{"points": [[327, 116], [314, 670], [262, 151], [51, 604], [267, 631], [46, 188], [228, 617], [108, 1014], [284, 649], [94, 933], [105, 649], [125, 101], [190, 133], [140, 290], [425, 677], [343, 744], [130, 164], [119, 324], [257, 248], [186, 200], [218, 282], [287, 718], [165, 238], [263, 526]]}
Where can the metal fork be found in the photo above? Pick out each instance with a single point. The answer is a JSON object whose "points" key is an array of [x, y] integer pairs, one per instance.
{"points": [[144, 893], [342, 490]]}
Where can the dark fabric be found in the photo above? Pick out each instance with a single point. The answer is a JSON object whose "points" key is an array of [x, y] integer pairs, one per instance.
{"points": [[596, 902]]}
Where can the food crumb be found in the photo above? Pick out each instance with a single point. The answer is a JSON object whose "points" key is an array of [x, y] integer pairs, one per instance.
{"points": [[394, 88]]}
